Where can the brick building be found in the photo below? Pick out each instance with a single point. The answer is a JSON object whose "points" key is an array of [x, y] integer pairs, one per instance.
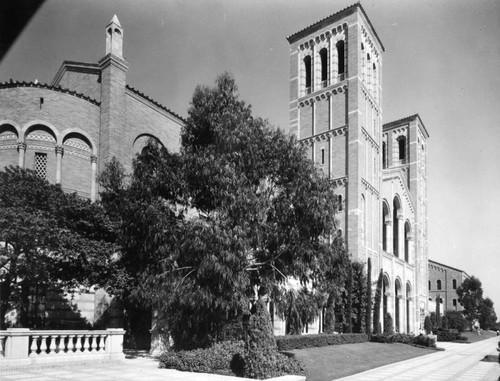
{"points": [[443, 283], [68, 130], [379, 170]]}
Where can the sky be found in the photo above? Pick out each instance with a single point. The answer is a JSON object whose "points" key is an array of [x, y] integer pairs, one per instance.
{"points": [[442, 61]]}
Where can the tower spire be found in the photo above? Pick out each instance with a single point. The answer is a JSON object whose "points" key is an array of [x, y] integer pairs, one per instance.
{"points": [[114, 38]]}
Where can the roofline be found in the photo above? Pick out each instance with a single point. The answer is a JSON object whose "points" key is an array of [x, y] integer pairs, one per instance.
{"points": [[12, 84], [328, 20], [159, 105], [82, 67], [450, 267], [407, 120]]}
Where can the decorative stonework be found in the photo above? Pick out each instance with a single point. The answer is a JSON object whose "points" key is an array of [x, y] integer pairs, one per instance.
{"points": [[9, 136], [93, 159], [369, 41], [369, 187], [325, 94], [369, 98], [332, 33], [339, 181], [323, 136], [44, 137], [369, 138], [21, 146], [59, 150], [77, 143]]}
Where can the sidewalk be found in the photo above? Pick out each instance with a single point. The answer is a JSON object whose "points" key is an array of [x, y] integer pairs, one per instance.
{"points": [[459, 362]]}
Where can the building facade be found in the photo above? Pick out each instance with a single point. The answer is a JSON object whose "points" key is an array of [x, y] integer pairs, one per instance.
{"points": [[68, 130], [379, 170], [443, 283]]}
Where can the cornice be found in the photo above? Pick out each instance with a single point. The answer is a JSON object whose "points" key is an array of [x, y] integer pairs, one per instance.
{"points": [[12, 84], [113, 59], [322, 94], [367, 94], [80, 67], [396, 174], [323, 136], [368, 137], [144, 97], [370, 187], [323, 36], [339, 181]]}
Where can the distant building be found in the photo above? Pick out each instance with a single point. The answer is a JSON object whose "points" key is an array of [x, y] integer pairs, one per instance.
{"points": [[443, 283], [379, 170]]}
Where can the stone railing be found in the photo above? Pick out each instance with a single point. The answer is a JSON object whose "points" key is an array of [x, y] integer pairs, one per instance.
{"points": [[22, 346]]}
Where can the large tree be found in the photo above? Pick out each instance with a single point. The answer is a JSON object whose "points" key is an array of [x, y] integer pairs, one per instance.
{"points": [[238, 212], [48, 238], [487, 315], [470, 295]]}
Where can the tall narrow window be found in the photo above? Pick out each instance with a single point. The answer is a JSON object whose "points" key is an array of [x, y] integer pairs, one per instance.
{"points": [[341, 59], [340, 202], [323, 53], [363, 221], [454, 284], [438, 284], [407, 242], [395, 227], [322, 156], [429, 285], [307, 68], [402, 148], [384, 155], [40, 165], [385, 219]]}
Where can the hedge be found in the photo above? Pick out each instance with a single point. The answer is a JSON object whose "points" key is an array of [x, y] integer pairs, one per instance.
{"points": [[290, 342], [404, 338]]}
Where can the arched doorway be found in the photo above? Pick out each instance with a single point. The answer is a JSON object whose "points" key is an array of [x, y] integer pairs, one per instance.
{"points": [[398, 295], [408, 299]]}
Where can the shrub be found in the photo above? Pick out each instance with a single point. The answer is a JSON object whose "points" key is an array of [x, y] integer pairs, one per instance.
{"points": [[261, 358], [427, 325], [404, 338], [290, 342], [388, 324], [456, 320], [217, 359], [447, 335]]}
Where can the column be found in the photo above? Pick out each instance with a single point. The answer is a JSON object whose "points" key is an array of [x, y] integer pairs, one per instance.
{"points": [[59, 154], [21, 148], [93, 181], [401, 235], [388, 230], [401, 324]]}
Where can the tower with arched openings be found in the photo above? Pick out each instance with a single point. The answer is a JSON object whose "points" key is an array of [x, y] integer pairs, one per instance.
{"points": [[377, 170]]}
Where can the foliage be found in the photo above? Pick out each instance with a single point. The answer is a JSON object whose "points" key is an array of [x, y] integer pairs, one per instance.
{"points": [[376, 304], [443, 335], [290, 342], [49, 239], [388, 324], [403, 338], [261, 357], [487, 315], [220, 359], [235, 214], [368, 307], [456, 320], [427, 325], [298, 308], [444, 323], [470, 294]]}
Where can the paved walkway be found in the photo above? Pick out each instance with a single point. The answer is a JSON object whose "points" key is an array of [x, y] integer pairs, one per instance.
{"points": [[459, 362]]}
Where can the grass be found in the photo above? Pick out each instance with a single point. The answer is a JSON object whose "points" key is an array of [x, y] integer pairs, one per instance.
{"points": [[474, 337], [336, 361]]}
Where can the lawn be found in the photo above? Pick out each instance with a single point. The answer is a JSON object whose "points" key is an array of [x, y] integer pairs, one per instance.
{"points": [[336, 361], [473, 336]]}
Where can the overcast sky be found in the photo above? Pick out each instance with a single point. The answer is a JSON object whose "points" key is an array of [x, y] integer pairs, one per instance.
{"points": [[442, 61]]}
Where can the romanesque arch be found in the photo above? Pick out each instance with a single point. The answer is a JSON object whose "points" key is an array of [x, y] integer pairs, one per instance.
{"points": [[9, 136], [141, 141], [398, 295], [37, 150], [76, 174]]}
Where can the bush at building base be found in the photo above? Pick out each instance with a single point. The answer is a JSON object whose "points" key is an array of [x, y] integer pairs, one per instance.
{"points": [[404, 338]]}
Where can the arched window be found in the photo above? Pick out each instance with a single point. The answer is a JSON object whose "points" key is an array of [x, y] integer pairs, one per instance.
{"points": [[323, 54], [385, 219], [395, 227], [429, 285], [454, 284], [402, 148], [307, 69], [438, 284], [384, 155], [455, 303], [407, 242], [341, 58]]}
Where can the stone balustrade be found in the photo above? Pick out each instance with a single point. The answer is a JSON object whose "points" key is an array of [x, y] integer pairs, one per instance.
{"points": [[22, 346]]}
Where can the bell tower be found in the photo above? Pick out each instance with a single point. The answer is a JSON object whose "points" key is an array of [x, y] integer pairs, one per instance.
{"points": [[113, 86], [335, 112]]}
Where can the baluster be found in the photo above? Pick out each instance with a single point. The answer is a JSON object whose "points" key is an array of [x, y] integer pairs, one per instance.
{"points": [[86, 344], [102, 343], [93, 346], [34, 345], [78, 343], [71, 344], [61, 348], [43, 346], [52, 345], [2, 351]]}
